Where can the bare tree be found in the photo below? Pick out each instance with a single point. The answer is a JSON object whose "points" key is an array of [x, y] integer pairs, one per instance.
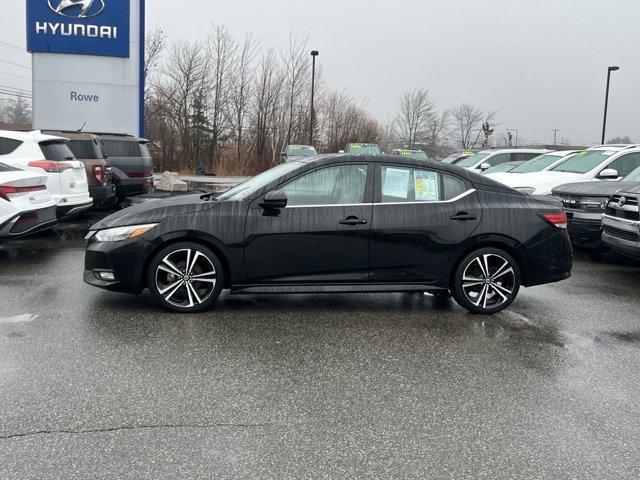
{"points": [[154, 45], [242, 82], [266, 98], [437, 128], [17, 110], [467, 124], [297, 77], [417, 111]]}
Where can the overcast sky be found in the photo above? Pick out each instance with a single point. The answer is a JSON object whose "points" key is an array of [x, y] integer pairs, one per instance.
{"points": [[540, 63]]}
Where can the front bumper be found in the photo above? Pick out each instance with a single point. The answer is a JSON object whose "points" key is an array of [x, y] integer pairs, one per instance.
{"points": [[585, 229], [622, 236], [125, 260]]}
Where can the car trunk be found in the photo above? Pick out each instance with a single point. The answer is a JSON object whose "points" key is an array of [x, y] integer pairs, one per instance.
{"points": [[71, 177]]}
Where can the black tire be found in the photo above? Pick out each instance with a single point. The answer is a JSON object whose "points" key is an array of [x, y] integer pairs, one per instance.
{"points": [[482, 295], [176, 289]]}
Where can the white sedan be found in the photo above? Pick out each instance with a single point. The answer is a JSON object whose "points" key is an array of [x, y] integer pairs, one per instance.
{"points": [[542, 163], [605, 162], [25, 204]]}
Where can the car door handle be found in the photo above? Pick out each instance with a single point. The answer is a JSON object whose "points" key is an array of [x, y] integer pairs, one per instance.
{"points": [[463, 217], [352, 221]]}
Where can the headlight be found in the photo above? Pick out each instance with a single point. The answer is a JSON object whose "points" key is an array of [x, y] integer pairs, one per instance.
{"points": [[123, 233], [527, 190]]}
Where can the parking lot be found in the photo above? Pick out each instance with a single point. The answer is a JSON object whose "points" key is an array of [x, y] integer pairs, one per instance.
{"points": [[96, 384]]}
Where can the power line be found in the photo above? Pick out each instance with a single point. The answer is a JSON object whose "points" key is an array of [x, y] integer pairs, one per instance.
{"points": [[15, 64], [14, 75], [7, 87], [13, 47]]}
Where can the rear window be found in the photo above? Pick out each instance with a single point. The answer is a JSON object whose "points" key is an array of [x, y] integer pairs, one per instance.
{"points": [[84, 149], [56, 151], [7, 168], [8, 145], [144, 150], [121, 148]]}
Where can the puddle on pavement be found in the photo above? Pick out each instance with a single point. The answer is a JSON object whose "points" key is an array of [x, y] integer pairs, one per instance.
{"points": [[24, 318]]}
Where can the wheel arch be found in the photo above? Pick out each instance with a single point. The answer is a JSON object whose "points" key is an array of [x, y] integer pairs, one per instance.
{"points": [[203, 239], [503, 242]]}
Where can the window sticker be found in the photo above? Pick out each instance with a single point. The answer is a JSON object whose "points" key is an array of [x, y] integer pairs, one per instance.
{"points": [[426, 185], [396, 183]]}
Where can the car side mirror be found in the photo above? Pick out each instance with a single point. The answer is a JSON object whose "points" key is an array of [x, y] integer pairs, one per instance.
{"points": [[274, 200], [341, 151], [485, 166], [609, 174]]}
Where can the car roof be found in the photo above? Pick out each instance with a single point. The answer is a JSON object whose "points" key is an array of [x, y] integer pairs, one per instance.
{"points": [[117, 136], [562, 153], [515, 150], [614, 147], [72, 135], [32, 136]]}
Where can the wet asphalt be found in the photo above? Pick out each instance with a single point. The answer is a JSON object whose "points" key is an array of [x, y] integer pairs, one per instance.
{"points": [[104, 385]]}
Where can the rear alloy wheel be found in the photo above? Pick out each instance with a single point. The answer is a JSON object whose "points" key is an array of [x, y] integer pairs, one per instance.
{"points": [[185, 277], [486, 281]]}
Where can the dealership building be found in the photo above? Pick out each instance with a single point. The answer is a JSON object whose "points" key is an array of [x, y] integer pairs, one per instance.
{"points": [[87, 64]]}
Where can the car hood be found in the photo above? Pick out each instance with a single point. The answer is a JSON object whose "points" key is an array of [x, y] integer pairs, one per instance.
{"points": [[593, 189], [543, 182], [630, 187], [155, 210]]}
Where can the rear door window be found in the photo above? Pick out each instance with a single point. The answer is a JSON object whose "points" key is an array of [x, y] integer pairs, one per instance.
{"points": [[84, 149], [401, 184], [121, 148], [452, 186], [56, 151], [8, 145]]}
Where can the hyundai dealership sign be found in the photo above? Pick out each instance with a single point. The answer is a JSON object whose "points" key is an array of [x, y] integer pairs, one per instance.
{"points": [[87, 27], [87, 61]]}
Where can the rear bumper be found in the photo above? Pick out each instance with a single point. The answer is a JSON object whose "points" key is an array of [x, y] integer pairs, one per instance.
{"points": [[549, 260], [28, 223], [130, 187], [101, 194], [65, 209]]}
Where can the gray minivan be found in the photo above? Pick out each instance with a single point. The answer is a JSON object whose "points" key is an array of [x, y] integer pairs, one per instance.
{"points": [[130, 162]]}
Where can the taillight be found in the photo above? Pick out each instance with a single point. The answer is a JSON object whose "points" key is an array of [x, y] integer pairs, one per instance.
{"points": [[98, 173], [7, 192], [557, 219], [50, 166]]}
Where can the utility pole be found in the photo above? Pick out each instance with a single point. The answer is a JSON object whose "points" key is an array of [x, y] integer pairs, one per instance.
{"points": [[606, 102], [555, 137], [314, 54]]}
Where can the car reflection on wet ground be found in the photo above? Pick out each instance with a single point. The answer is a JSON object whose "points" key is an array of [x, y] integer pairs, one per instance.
{"points": [[103, 385]]}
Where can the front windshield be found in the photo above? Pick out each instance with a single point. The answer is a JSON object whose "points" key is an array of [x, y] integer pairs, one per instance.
{"points": [[254, 184], [633, 176], [537, 164], [505, 167], [363, 149], [301, 151], [583, 162], [472, 160]]}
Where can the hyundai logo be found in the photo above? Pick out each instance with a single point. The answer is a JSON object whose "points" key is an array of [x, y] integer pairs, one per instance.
{"points": [[77, 8], [622, 201]]}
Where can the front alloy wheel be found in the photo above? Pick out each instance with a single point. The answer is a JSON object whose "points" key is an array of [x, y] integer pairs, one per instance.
{"points": [[185, 277], [487, 281]]}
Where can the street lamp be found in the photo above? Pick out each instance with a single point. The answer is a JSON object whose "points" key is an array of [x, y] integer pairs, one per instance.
{"points": [[606, 102], [314, 54]]}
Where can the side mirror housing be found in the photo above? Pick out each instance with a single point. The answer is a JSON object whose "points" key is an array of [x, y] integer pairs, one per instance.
{"points": [[485, 166], [609, 174], [274, 200]]}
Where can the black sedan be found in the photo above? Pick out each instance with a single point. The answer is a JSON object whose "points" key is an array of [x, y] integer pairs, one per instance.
{"points": [[337, 223]]}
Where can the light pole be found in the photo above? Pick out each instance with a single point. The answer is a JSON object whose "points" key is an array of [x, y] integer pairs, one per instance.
{"points": [[606, 102], [314, 54]]}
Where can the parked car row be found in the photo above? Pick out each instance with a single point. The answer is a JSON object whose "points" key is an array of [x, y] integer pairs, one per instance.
{"points": [[66, 173]]}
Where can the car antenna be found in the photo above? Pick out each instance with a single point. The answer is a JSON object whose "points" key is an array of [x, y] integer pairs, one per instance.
{"points": [[82, 127]]}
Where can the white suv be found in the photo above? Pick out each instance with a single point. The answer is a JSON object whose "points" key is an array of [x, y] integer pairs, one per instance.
{"points": [[492, 158], [45, 154], [606, 162]]}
